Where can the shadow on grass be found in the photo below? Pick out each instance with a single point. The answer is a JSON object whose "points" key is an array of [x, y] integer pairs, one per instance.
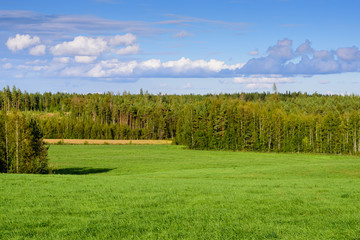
{"points": [[81, 171]]}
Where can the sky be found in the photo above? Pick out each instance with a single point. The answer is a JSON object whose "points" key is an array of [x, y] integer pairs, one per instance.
{"points": [[180, 47]]}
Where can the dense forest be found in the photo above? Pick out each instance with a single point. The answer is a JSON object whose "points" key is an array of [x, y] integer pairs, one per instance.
{"points": [[279, 122]]}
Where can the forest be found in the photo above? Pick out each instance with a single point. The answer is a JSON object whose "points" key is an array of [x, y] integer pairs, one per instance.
{"points": [[264, 122]]}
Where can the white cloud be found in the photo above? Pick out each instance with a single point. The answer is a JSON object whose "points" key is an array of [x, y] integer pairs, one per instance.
{"points": [[186, 64], [262, 81], [88, 46], [155, 68], [37, 61], [126, 39], [111, 68], [37, 50], [81, 46], [183, 34], [7, 66], [61, 59], [234, 66], [85, 59], [132, 49], [151, 64], [20, 42]]}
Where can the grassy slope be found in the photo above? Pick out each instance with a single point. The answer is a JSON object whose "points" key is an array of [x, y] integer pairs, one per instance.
{"points": [[165, 192]]}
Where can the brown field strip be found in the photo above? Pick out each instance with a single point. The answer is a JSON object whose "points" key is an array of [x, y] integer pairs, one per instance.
{"points": [[101, 141]]}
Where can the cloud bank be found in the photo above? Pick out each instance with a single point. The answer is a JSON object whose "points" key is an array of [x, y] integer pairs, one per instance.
{"points": [[282, 59], [110, 57], [184, 67]]}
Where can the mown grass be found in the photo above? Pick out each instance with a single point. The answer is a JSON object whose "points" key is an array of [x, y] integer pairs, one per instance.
{"points": [[166, 192]]}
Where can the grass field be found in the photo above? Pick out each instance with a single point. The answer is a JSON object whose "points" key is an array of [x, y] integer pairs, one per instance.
{"points": [[166, 192]]}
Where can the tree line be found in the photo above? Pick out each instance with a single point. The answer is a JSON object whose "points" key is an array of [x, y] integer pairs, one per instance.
{"points": [[268, 126], [280, 122]]}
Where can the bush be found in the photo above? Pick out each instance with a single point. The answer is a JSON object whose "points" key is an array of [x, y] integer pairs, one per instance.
{"points": [[21, 145]]}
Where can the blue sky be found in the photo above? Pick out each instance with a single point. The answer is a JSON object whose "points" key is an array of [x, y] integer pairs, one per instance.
{"points": [[180, 47]]}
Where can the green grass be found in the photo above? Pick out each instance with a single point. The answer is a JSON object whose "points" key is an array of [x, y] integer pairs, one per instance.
{"points": [[166, 192]]}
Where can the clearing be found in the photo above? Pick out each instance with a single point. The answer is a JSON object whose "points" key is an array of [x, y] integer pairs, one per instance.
{"points": [[167, 192]]}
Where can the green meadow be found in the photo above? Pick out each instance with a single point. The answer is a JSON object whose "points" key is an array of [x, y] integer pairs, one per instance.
{"points": [[168, 192]]}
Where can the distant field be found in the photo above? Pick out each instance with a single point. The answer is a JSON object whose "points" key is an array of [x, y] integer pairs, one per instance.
{"points": [[166, 192], [100, 141]]}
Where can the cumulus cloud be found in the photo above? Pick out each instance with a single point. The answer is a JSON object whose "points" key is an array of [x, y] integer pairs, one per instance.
{"points": [[131, 49], [20, 42], [126, 39], [283, 49], [186, 64], [112, 68], [84, 46], [37, 50], [85, 59], [348, 53], [151, 64], [89, 46], [305, 48]]}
